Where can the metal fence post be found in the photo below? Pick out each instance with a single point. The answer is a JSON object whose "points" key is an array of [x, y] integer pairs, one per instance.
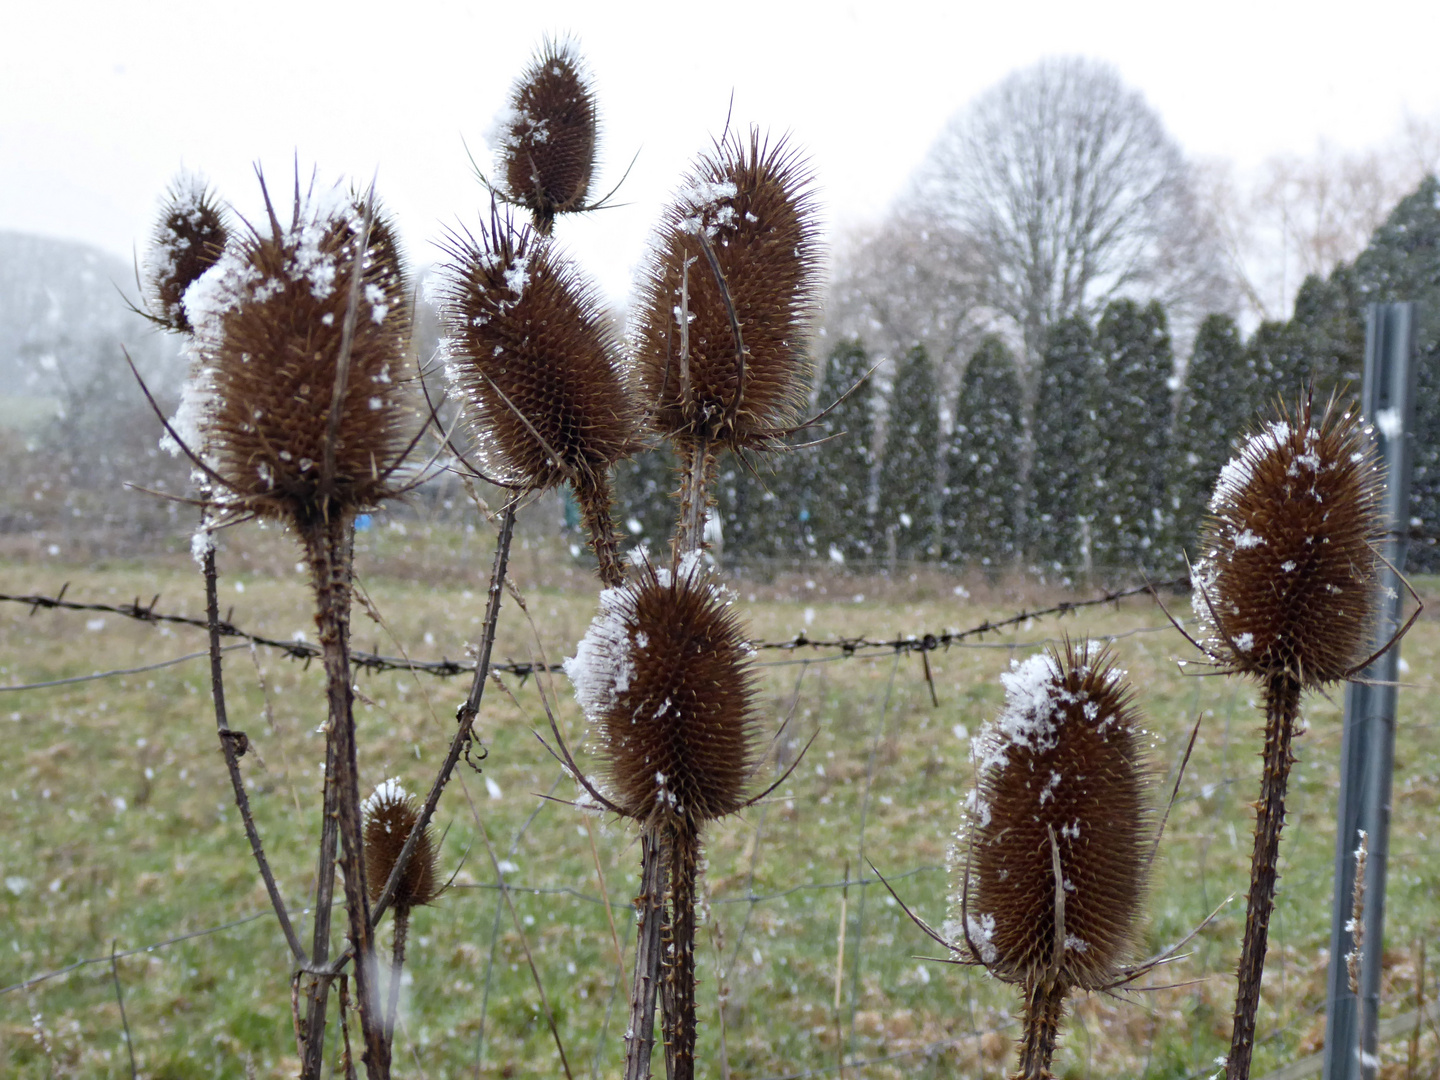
{"points": [[1367, 749]]}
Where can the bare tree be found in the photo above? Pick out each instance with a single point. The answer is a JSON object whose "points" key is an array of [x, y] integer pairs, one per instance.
{"points": [[904, 283], [1296, 215], [1069, 191]]}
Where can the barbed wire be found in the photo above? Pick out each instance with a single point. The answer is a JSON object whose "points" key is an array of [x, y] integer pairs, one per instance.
{"points": [[295, 649]]}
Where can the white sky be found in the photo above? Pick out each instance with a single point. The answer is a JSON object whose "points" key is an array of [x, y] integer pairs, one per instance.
{"points": [[101, 102]]}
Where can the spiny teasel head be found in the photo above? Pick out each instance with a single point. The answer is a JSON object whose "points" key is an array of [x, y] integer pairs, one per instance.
{"points": [[752, 204], [189, 238], [1065, 759], [1285, 585], [532, 354], [390, 813], [665, 675], [546, 136], [270, 326]]}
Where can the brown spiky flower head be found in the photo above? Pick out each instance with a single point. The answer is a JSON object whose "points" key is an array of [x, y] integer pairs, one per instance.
{"points": [[390, 813], [546, 136], [188, 239], [664, 674], [532, 355], [1285, 585], [295, 408], [722, 331], [1056, 852]]}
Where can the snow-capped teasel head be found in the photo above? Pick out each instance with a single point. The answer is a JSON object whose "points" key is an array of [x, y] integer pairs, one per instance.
{"points": [[390, 814], [269, 330], [682, 706], [1065, 759], [1284, 584]]}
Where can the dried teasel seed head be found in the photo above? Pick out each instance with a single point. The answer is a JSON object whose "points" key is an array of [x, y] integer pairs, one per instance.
{"points": [[664, 673], [1286, 582], [532, 355], [753, 204], [270, 324], [546, 136], [189, 238], [390, 813], [1065, 758]]}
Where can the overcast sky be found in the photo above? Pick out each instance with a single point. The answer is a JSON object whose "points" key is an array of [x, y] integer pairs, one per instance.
{"points": [[101, 103]]}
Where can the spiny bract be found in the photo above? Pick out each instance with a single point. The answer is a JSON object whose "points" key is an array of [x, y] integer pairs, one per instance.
{"points": [[546, 137], [269, 322], [1286, 583], [1064, 759], [665, 674], [390, 814], [753, 204], [532, 355]]}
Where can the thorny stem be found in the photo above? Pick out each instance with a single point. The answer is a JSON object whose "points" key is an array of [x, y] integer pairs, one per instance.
{"points": [[397, 962], [593, 495], [319, 991], [230, 745], [1044, 1009], [1282, 709], [329, 546], [682, 844], [464, 716], [640, 1034], [698, 460]]}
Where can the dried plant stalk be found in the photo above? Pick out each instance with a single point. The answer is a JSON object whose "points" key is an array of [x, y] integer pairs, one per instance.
{"points": [[664, 674], [1060, 832], [295, 414], [1286, 591]]}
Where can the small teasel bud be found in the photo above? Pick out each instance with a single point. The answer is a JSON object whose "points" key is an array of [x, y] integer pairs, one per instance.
{"points": [[390, 813], [750, 206], [1061, 772], [1286, 583], [546, 136], [270, 326], [665, 675], [189, 238], [533, 357]]}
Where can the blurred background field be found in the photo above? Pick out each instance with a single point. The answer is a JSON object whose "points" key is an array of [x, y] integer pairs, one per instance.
{"points": [[118, 829]]}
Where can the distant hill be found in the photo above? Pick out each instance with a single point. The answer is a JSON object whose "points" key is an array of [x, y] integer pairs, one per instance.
{"points": [[63, 316]]}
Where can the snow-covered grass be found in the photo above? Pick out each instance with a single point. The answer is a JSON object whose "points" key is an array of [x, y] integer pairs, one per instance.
{"points": [[117, 824]]}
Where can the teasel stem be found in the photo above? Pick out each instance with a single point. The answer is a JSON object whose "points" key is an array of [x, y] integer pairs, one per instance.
{"points": [[592, 492], [697, 478], [318, 994], [681, 841], [397, 962], [649, 910], [329, 545], [1282, 710], [1044, 1009]]}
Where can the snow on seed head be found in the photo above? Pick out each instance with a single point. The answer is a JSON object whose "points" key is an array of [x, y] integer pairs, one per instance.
{"points": [[1284, 584], [676, 718], [1065, 757], [389, 815]]}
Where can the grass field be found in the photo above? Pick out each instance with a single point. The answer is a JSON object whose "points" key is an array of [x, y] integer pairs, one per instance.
{"points": [[118, 831]]}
